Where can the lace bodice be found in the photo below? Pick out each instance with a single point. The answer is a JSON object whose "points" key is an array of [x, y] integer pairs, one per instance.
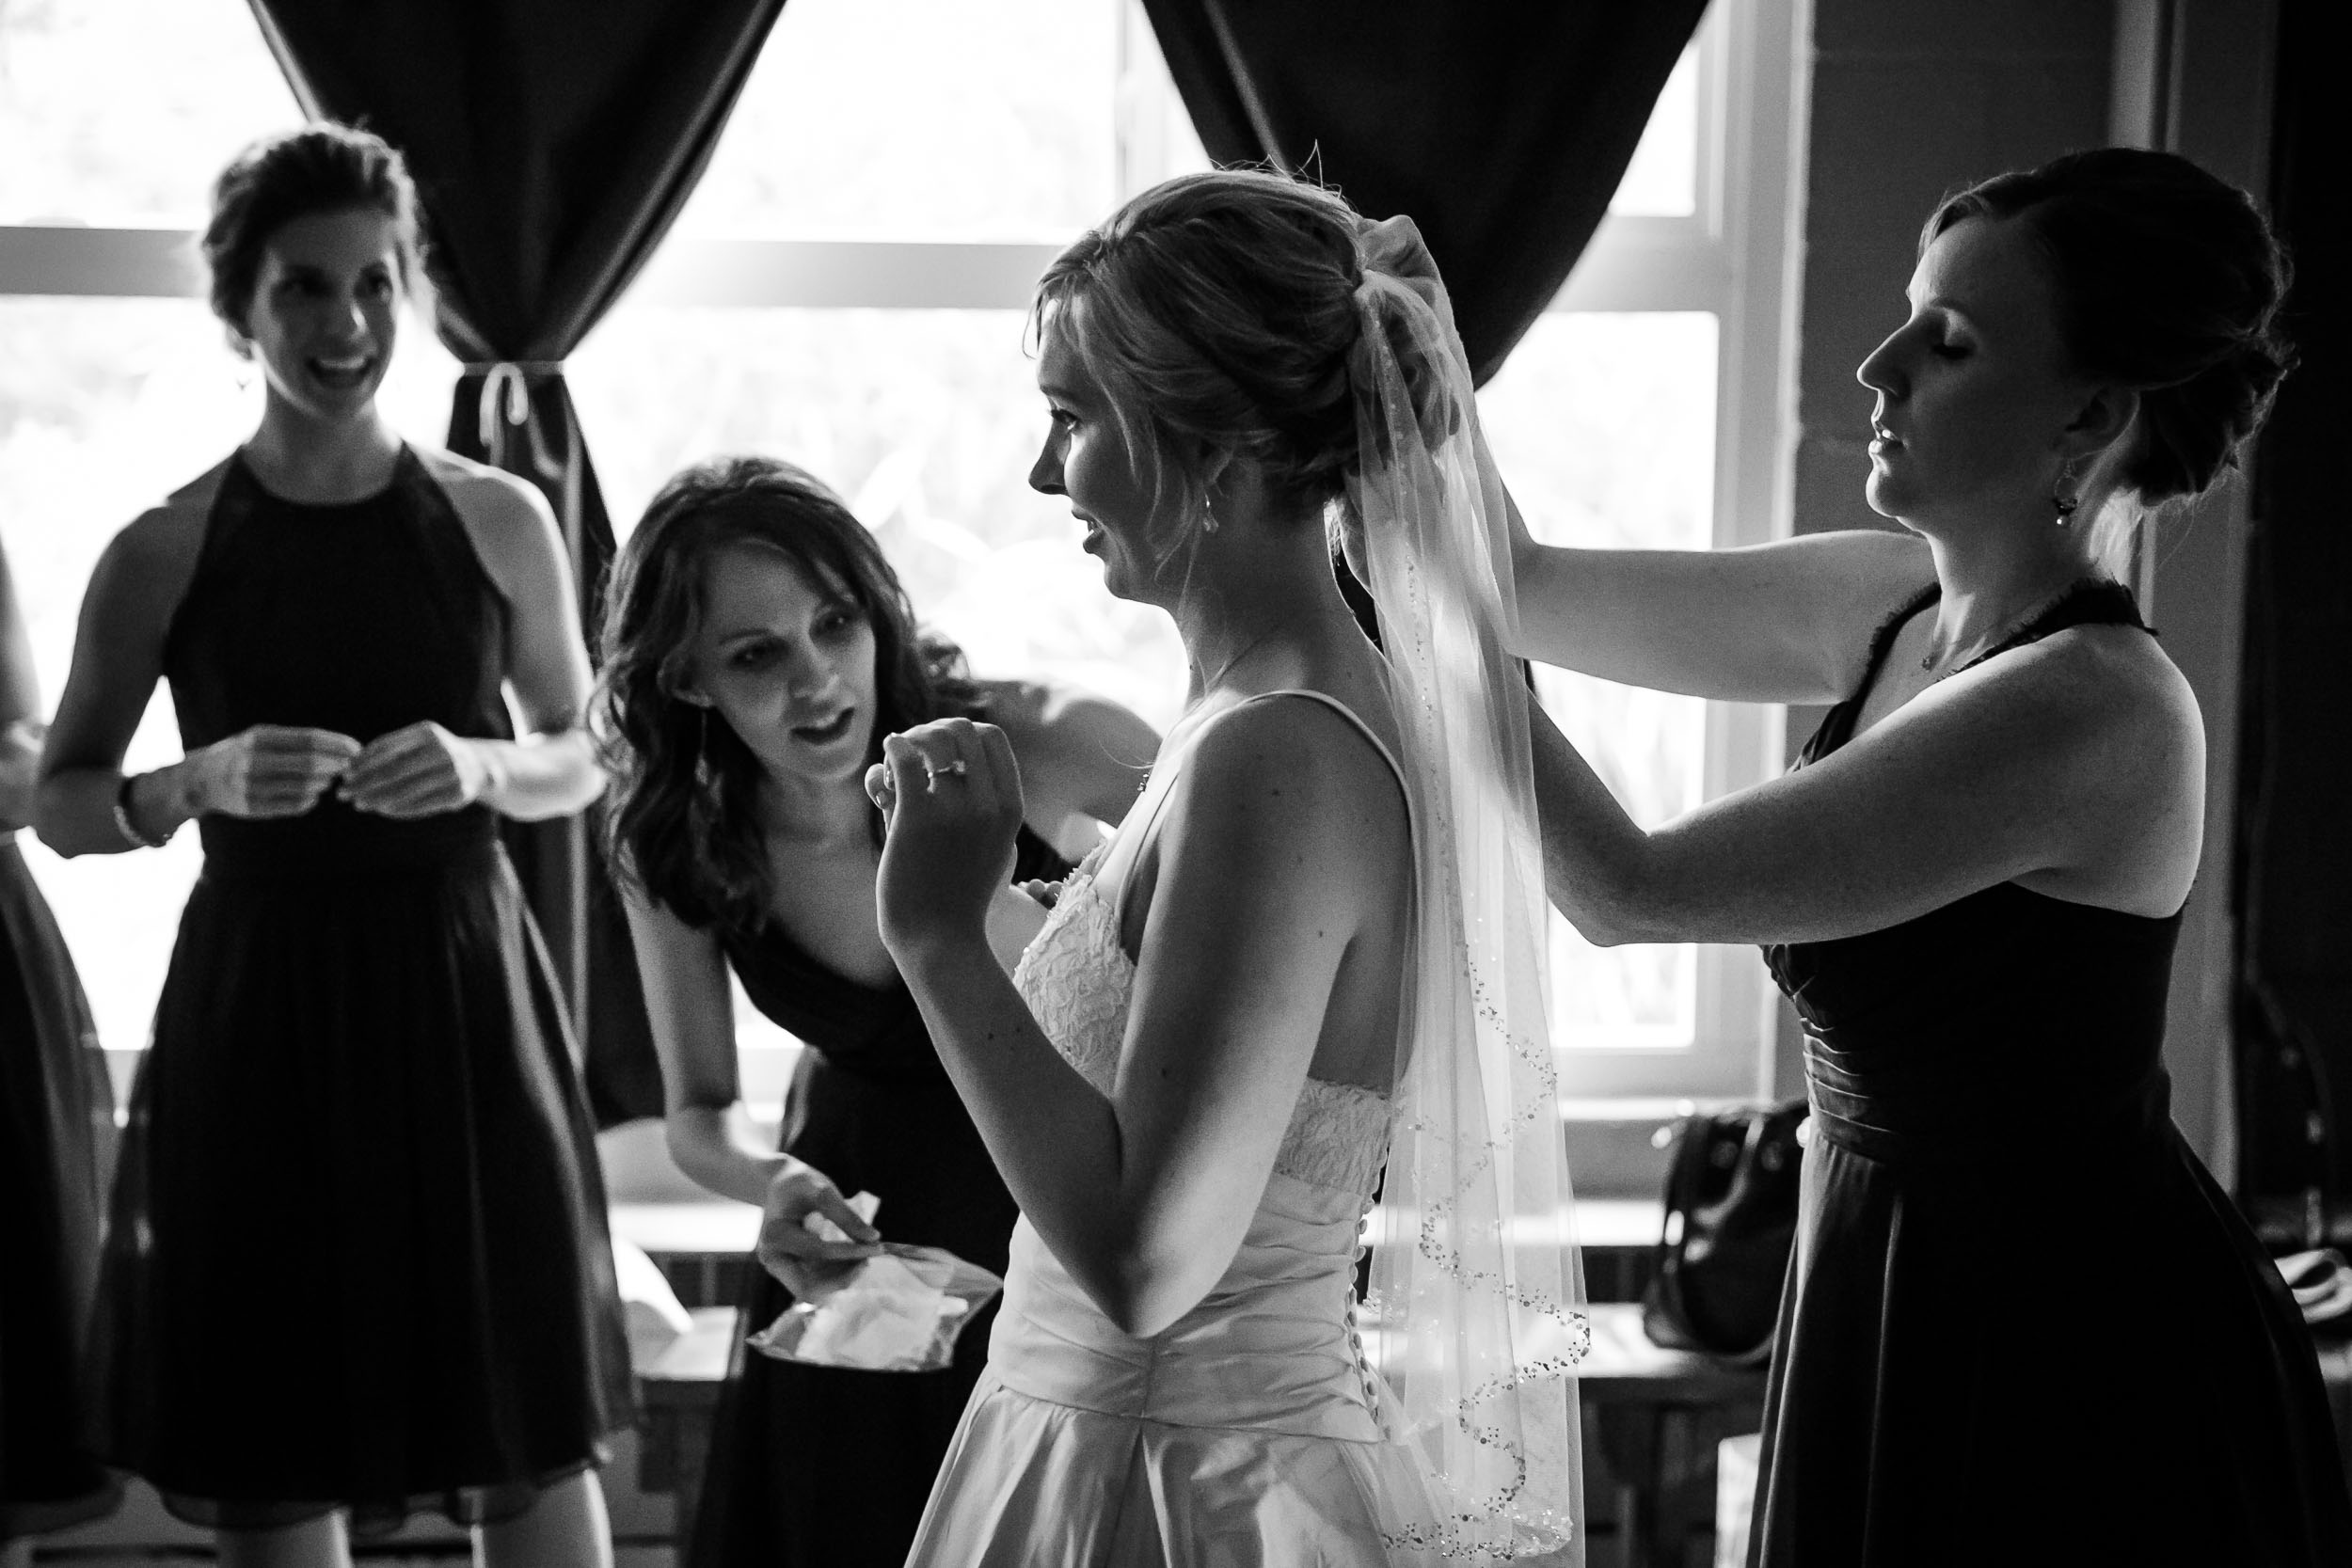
{"points": [[1078, 981]]}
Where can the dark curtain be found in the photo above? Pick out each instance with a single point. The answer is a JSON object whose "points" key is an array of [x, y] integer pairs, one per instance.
{"points": [[1503, 130], [2293, 898], [553, 142]]}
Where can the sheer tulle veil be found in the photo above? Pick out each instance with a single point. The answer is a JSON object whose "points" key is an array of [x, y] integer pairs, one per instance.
{"points": [[1476, 1306]]}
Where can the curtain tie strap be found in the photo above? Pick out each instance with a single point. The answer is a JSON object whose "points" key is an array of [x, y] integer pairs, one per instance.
{"points": [[511, 378]]}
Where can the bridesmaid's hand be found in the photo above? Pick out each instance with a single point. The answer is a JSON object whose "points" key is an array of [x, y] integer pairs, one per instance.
{"points": [[950, 795], [420, 770], [270, 771], [810, 1266]]}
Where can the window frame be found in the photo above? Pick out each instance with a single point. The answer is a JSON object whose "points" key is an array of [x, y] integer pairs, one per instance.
{"points": [[1735, 256]]}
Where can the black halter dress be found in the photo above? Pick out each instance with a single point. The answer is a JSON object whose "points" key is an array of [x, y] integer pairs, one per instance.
{"points": [[358, 1255], [814, 1466], [2024, 1324]]}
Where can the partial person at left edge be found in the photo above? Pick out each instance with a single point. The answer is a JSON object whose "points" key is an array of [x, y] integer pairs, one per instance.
{"points": [[358, 1262], [56, 1145]]}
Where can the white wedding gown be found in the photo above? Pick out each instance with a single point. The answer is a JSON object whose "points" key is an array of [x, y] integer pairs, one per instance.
{"points": [[1251, 1432]]}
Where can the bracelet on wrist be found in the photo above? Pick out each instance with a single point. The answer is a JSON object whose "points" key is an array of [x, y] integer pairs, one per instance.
{"points": [[495, 775], [126, 824]]}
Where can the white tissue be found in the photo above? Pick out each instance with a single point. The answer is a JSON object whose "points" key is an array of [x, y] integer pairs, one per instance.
{"points": [[900, 1310], [865, 1205], [883, 1315]]}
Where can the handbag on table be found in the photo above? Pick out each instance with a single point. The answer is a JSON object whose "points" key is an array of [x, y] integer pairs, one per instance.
{"points": [[1729, 1228]]}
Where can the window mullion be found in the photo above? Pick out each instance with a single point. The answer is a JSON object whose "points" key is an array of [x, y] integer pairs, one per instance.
{"points": [[69, 258]]}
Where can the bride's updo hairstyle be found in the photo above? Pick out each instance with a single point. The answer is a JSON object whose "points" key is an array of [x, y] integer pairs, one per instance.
{"points": [[2167, 282], [1218, 313]]}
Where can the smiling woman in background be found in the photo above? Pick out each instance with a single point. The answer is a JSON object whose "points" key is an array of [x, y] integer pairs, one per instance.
{"points": [[758, 647], [359, 1261]]}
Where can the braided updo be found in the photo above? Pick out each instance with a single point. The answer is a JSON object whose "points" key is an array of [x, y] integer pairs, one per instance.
{"points": [[2168, 282], [1220, 314]]}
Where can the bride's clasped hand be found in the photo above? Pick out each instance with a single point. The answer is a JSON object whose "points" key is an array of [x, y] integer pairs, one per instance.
{"points": [[950, 793]]}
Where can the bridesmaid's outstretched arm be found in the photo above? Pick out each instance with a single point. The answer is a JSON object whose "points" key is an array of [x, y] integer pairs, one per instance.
{"points": [[2049, 765]]}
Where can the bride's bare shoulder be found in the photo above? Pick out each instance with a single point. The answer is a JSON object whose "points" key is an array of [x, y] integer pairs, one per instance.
{"points": [[1299, 768]]}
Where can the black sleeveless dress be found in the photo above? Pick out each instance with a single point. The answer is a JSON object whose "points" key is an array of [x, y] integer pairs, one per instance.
{"points": [[57, 1147], [814, 1466], [2024, 1325], [358, 1255]]}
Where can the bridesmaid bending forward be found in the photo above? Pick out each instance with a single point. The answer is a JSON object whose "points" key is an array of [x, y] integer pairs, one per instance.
{"points": [[757, 649]]}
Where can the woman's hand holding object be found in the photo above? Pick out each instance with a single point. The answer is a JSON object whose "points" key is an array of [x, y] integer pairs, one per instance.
{"points": [[420, 769], [791, 1245], [270, 771]]}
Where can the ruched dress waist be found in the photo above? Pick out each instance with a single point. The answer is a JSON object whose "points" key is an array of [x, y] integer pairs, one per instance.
{"points": [[1928, 1110], [1272, 1348], [335, 843]]}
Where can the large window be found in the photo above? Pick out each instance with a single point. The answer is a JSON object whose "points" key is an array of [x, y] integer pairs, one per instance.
{"points": [[1649, 408], [846, 289]]}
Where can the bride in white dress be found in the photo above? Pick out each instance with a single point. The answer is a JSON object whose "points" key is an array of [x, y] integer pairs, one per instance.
{"points": [[1307, 968]]}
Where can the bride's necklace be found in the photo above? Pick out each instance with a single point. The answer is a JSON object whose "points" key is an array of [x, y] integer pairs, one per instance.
{"points": [[1930, 659], [1208, 683]]}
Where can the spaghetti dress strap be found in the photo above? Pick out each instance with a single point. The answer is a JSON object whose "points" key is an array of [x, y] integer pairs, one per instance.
{"points": [[1344, 711], [1139, 827]]}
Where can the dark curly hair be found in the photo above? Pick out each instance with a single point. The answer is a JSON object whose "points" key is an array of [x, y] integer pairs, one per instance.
{"points": [[323, 167], [2168, 282], [1220, 312], [700, 850]]}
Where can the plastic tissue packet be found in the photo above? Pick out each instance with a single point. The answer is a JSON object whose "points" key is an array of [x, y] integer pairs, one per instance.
{"points": [[898, 1312]]}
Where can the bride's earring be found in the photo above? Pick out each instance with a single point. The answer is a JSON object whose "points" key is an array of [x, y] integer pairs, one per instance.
{"points": [[2063, 499], [1208, 515], [706, 777]]}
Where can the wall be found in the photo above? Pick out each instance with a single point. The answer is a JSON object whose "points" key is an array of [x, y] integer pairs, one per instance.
{"points": [[1910, 98], [2213, 67]]}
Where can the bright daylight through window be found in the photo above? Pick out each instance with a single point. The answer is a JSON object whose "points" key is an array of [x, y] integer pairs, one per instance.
{"points": [[845, 289]]}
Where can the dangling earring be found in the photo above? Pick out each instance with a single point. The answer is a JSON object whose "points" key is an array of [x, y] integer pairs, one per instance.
{"points": [[2062, 500], [705, 778], [1208, 515]]}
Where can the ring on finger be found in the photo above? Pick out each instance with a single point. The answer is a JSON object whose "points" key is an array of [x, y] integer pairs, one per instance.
{"points": [[956, 765]]}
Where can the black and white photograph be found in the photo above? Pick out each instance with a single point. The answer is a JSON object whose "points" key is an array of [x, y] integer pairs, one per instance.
{"points": [[1174, 783]]}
